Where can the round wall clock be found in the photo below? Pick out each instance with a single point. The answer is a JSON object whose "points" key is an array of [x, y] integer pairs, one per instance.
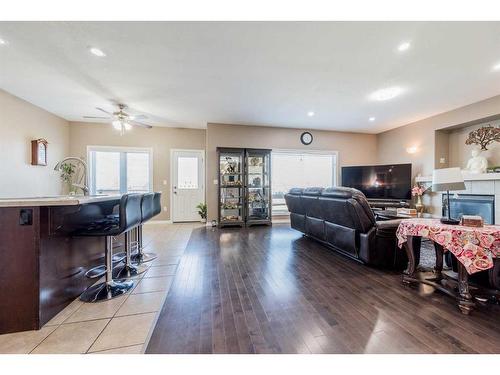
{"points": [[306, 138]]}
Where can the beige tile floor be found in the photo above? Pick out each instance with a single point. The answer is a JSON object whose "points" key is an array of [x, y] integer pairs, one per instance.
{"points": [[121, 325]]}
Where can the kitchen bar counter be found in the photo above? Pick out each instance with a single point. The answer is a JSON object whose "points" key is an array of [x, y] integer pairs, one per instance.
{"points": [[42, 259], [56, 200]]}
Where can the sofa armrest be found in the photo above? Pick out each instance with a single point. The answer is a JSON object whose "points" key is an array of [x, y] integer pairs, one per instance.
{"points": [[378, 247], [388, 224]]}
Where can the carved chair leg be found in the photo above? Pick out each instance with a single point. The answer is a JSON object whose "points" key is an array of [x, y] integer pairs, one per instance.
{"points": [[465, 301]]}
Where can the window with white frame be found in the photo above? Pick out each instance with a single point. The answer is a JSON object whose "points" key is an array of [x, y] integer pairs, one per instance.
{"points": [[115, 170], [294, 168]]}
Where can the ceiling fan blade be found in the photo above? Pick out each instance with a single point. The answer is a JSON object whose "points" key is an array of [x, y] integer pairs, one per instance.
{"points": [[138, 117], [139, 124], [103, 110], [99, 117]]}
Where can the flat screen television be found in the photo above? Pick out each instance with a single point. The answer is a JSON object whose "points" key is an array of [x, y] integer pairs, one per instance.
{"points": [[380, 181]]}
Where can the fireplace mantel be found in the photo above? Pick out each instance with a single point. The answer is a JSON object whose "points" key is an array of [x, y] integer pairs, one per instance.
{"points": [[468, 176]]}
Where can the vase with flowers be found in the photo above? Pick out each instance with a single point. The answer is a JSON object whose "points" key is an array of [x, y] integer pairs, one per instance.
{"points": [[417, 191]]}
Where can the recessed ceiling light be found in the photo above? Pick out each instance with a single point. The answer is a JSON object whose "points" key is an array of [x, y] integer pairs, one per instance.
{"points": [[310, 113], [3, 42], [97, 52], [386, 94], [404, 46], [371, 119], [496, 67]]}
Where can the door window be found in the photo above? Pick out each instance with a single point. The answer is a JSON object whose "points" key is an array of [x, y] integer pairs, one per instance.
{"points": [[187, 172]]}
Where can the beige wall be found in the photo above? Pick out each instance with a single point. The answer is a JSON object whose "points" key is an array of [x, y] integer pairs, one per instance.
{"points": [[162, 140], [392, 144], [353, 148], [20, 123], [460, 153]]}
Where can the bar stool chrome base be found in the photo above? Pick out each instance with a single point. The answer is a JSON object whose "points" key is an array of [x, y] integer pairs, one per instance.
{"points": [[140, 257], [127, 271], [106, 291]]}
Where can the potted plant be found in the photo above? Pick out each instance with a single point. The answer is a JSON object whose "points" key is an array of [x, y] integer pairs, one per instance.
{"points": [[202, 211], [67, 172]]}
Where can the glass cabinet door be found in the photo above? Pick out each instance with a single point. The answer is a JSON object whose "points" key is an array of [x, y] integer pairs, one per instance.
{"points": [[231, 187], [258, 185]]}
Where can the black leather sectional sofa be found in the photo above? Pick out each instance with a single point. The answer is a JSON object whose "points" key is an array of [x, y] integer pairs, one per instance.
{"points": [[342, 219]]}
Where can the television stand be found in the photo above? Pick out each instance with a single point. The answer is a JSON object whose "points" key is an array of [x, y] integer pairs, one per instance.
{"points": [[388, 203]]}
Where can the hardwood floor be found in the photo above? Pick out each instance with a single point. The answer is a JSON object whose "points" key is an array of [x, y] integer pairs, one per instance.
{"points": [[270, 290]]}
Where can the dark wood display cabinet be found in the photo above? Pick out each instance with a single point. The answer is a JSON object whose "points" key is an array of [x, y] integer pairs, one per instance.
{"points": [[244, 186]]}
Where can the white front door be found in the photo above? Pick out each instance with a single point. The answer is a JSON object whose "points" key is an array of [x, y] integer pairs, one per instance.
{"points": [[187, 184]]}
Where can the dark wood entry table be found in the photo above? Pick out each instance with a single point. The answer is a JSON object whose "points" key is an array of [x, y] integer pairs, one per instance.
{"points": [[476, 249]]}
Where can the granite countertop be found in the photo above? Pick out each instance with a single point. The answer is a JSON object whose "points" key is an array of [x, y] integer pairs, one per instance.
{"points": [[56, 200]]}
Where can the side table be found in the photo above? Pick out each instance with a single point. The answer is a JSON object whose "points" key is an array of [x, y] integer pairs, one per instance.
{"points": [[465, 301], [476, 250]]}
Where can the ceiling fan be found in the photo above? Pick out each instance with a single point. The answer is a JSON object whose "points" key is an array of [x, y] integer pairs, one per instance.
{"points": [[121, 120]]}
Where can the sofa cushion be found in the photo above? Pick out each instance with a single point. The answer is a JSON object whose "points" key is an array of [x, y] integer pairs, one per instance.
{"points": [[295, 204], [313, 191], [339, 192], [296, 191], [336, 210]]}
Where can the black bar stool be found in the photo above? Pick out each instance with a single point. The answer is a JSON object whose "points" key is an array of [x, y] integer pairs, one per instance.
{"points": [[157, 203], [147, 212], [129, 269], [95, 216], [129, 217]]}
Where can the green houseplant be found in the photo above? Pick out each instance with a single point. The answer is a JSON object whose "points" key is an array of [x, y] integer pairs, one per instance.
{"points": [[67, 172], [202, 211]]}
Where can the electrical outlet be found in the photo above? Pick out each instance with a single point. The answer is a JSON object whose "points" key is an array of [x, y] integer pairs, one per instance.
{"points": [[216, 182], [165, 208], [164, 182], [442, 161]]}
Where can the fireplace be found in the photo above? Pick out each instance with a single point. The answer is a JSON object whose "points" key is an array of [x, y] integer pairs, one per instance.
{"points": [[471, 204]]}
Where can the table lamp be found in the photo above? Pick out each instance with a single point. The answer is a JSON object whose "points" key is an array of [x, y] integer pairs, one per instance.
{"points": [[447, 179]]}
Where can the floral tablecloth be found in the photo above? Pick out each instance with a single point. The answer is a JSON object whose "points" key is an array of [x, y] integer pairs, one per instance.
{"points": [[475, 248]]}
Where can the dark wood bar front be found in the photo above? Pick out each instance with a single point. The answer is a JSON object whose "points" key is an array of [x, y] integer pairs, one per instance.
{"points": [[42, 262]]}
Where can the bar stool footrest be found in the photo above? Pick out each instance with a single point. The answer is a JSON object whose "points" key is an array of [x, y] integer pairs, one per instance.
{"points": [[100, 271]]}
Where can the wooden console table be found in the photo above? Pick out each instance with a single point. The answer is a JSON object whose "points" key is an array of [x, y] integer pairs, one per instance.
{"points": [[476, 249]]}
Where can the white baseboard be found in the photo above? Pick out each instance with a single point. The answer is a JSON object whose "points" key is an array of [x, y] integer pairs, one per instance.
{"points": [[158, 222], [281, 221]]}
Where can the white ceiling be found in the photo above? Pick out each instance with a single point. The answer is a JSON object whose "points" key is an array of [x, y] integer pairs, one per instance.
{"points": [[265, 73]]}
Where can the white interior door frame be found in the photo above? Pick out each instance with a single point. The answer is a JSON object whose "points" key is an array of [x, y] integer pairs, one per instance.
{"points": [[172, 168]]}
